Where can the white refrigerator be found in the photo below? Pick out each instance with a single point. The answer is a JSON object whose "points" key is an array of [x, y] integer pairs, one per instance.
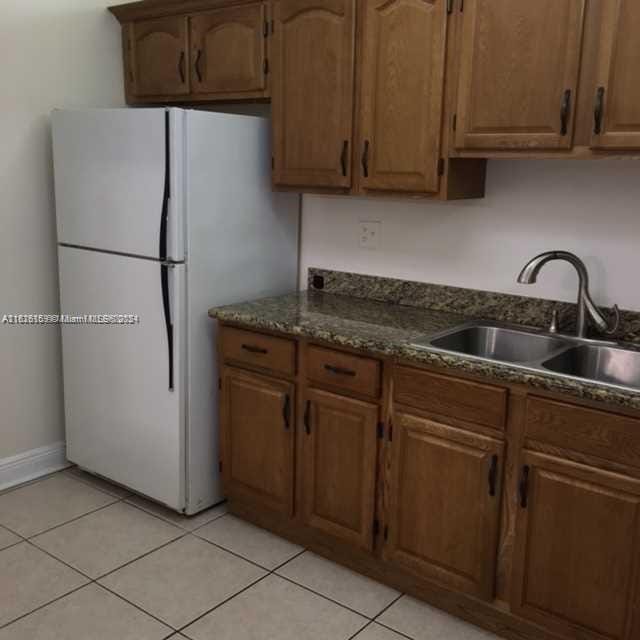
{"points": [[161, 214]]}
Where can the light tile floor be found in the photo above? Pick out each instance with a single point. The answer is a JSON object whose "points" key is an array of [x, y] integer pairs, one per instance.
{"points": [[83, 559]]}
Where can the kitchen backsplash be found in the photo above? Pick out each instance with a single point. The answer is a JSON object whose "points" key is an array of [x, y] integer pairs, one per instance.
{"points": [[488, 305]]}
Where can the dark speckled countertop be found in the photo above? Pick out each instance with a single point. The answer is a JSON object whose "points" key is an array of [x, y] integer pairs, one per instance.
{"points": [[390, 329]]}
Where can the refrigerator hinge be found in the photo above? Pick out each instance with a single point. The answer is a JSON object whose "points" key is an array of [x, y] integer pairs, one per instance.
{"points": [[441, 167]]}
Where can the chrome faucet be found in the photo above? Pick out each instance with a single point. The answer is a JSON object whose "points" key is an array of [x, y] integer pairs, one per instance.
{"points": [[586, 306]]}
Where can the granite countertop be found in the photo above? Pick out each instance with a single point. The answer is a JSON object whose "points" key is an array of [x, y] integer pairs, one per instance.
{"points": [[389, 329]]}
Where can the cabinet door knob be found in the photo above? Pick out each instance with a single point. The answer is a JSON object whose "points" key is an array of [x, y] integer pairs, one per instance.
{"points": [[365, 159], [181, 69], [343, 157], [197, 65], [524, 487], [565, 111], [598, 111], [286, 412], [493, 475]]}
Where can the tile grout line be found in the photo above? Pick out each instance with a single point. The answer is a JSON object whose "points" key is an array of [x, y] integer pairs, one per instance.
{"points": [[206, 613], [136, 606], [155, 515], [74, 519], [42, 606], [185, 533]]}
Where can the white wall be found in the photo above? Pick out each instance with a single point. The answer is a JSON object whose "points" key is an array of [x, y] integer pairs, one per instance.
{"points": [[589, 207], [55, 53]]}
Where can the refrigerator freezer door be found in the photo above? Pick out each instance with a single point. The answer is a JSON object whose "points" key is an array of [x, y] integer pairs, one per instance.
{"points": [[114, 171], [122, 420]]}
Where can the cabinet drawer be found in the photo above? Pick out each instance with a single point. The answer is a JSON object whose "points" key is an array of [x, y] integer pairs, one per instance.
{"points": [[258, 350], [609, 436], [344, 371], [447, 396]]}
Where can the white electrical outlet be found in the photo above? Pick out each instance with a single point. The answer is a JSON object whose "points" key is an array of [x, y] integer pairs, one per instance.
{"points": [[369, 235]]}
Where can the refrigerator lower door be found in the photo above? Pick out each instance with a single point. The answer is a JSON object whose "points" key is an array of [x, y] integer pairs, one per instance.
{"points": [[124, 383], [118, 175]]}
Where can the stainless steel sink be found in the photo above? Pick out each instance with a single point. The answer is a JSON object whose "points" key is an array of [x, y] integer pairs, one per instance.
{"points": [[601, 362], [500, 343], [610, 365]]}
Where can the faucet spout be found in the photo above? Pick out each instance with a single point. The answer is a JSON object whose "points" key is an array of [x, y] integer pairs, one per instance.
{"points": [[586, 306]]}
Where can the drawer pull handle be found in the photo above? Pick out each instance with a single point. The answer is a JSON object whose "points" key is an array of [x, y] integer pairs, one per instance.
{"points": [[286, 412], [339, 370], [493, 476], [307, 417], [253, 349], [524, 487]]}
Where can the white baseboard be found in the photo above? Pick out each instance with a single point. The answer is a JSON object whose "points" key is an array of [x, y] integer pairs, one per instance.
{"points": [[32, 464]]}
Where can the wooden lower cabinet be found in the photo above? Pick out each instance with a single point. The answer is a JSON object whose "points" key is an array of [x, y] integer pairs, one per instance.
{"points": [[444, 504], [576, 565], [473, 515], [338, 466], [257, 439]]}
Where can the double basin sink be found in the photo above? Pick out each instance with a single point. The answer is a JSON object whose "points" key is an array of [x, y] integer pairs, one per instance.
{"points": [[601, 362]]}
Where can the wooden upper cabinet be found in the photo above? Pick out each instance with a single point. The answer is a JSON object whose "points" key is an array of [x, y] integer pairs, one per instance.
{"points": [[616, 107], [403, 50], [519, 65], [312, 92], [577, 553], [338, 466], [228, 51], [444, 500], [257, 439], [157, 57]]}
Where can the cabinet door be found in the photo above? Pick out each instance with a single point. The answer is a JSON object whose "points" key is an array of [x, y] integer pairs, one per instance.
{"points": [[576, 562], [617, 94], [312, 93], [158, 53], [518, 73], [228, 51], [339, 466], [444, 504], [257, 423], [401, 94]]}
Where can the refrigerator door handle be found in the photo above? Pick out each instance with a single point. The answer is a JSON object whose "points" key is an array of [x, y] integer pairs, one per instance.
{"points": [[164, 219], [164, 281]]}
